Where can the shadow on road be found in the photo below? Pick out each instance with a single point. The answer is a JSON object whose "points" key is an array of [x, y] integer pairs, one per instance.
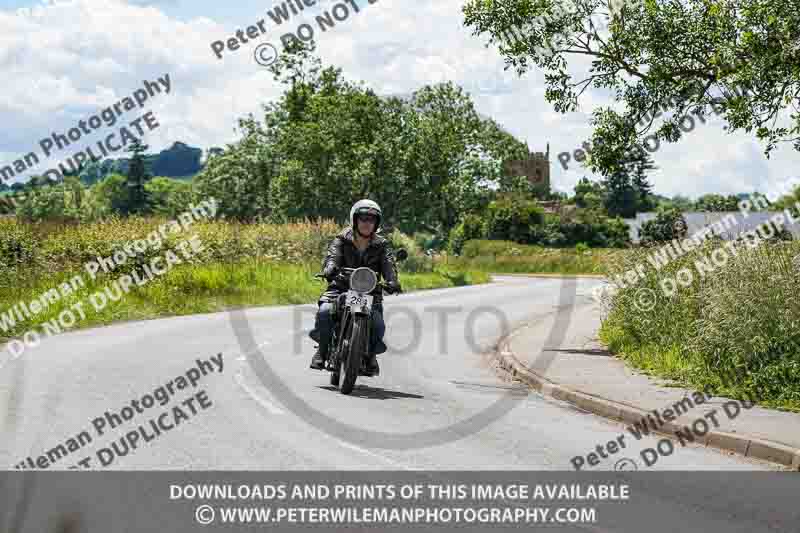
{"points": [[593, 351], [375, 393]]}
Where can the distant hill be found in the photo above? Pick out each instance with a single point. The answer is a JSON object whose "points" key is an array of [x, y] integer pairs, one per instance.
{"points": [[179, 161]]}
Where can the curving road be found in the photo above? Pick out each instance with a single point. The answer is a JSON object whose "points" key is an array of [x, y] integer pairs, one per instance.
{"points": [[438, 403], [234, 392]]}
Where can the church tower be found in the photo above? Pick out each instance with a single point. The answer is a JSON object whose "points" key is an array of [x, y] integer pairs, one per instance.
{"points": [[536, 168]]}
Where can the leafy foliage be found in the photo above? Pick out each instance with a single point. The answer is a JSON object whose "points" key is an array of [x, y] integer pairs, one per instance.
{"points": [[426, 159], [734, 329], [471, 227], [717, 202], [626, 189], [515, 219], [687, 56], [138, 176], [667, 225]]}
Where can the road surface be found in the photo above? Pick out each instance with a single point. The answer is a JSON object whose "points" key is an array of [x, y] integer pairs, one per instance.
{"points": [[431, 407]]}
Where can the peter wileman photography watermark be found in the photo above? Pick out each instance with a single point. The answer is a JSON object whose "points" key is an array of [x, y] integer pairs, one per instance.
{"points": [[157, 267], [662, 256], [281, 15], [105, 118], [665, 421], [144, 433], [655, 421], [427, 503]]}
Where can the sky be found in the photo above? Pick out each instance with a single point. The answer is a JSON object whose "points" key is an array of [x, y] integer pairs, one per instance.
{"points": [[66, 60]]}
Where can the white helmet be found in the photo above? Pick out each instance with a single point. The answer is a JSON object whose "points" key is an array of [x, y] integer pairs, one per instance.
{"points": [[367, 207]]}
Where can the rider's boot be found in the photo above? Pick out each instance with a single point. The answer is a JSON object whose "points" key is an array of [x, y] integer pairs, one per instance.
{"points": [[372, 365], [318, 361]]}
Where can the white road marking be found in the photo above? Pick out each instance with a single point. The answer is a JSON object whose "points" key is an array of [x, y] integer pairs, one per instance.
{"points": [[373, 454], [272, 408], [266, 404], [239, 378]]}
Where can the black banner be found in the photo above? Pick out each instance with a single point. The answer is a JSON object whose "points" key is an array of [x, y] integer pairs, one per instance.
{"points": [[182, 501]]}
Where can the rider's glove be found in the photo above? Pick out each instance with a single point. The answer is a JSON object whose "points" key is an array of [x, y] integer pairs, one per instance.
{"points": [[330, 272], [393, 287]]}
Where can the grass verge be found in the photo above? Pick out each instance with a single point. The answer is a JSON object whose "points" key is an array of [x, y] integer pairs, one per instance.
{"points": [[189, 289], [732, 326], [512, 258]]}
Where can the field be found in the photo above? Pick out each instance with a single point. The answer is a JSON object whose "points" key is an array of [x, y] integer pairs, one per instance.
{"points": [[239, 265]]}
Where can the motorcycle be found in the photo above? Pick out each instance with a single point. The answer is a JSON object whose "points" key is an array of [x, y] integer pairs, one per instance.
{"points": [[351, 313]]}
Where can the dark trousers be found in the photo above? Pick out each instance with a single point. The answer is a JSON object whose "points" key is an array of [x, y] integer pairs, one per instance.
{"points": [[323, 329]]}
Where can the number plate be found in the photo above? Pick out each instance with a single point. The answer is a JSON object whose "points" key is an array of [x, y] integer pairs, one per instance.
{"points": [[357, 300]]}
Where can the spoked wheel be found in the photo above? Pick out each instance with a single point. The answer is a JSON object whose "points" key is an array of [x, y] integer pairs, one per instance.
{"points": [[338, 371], [354, 354]]}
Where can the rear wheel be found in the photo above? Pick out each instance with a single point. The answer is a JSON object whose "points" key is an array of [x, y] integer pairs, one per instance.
{"points": [[356, 349]]}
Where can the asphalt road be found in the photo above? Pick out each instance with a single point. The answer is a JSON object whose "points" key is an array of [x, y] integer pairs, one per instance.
{"points": [[437, 404]]}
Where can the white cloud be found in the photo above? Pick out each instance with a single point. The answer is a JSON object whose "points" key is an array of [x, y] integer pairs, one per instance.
{"points": [[74, 58]]}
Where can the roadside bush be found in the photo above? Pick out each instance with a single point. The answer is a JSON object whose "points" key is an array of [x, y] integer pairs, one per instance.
{"points": [[584, 226], [417, 261], [514, 219], [471, 227], [428, 241], [669, 224]]}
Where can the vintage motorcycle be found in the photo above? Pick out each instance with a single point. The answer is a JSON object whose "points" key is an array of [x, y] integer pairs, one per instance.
{"points": [[351, 311]]}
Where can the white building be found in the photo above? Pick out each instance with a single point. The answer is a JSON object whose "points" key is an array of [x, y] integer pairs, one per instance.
{"points": [[726, 224]]}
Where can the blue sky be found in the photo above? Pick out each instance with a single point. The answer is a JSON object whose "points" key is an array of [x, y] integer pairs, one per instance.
{"points": [[69, 59]]}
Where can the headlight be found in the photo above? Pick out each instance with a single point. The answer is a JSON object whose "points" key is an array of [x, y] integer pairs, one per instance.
{"points": [[363, 280]]}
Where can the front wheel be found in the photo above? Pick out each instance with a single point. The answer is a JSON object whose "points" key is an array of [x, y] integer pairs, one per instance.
{"points": [[356, 349], [337, 372]]}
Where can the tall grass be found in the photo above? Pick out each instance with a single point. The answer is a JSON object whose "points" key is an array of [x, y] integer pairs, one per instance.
{"points": [[241, 265], [510, 257], [734, 330]]}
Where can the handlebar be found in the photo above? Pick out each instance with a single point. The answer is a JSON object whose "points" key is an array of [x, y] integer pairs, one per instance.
{"points": [[346, 270]]}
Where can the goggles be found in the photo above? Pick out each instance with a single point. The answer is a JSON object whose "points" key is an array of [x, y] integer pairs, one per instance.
{"points": [[367, 218]]}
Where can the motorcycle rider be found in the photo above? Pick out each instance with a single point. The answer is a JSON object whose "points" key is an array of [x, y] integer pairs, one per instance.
{"points": [[356, 246]]}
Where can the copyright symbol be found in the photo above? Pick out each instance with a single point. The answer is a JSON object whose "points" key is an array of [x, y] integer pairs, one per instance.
{"points": [[204, 514], [645, 299], [265, 54], [625, 464]]}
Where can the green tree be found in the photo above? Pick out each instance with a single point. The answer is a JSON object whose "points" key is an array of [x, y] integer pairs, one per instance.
{"points": [[640, 165], [589, 194], [789, 201], [169, 197], [621, 197], [513, 218], [717, 202], [667, 225], [428, 158], [111, 195], [471, 227], [627, 190], [680, 55], [138, 176]]}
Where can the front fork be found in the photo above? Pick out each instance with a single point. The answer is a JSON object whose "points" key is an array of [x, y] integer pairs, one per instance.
{"points": [[347, 317]]}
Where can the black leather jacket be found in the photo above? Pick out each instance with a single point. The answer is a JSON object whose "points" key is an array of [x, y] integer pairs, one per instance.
{"points": [[342, 253]]}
